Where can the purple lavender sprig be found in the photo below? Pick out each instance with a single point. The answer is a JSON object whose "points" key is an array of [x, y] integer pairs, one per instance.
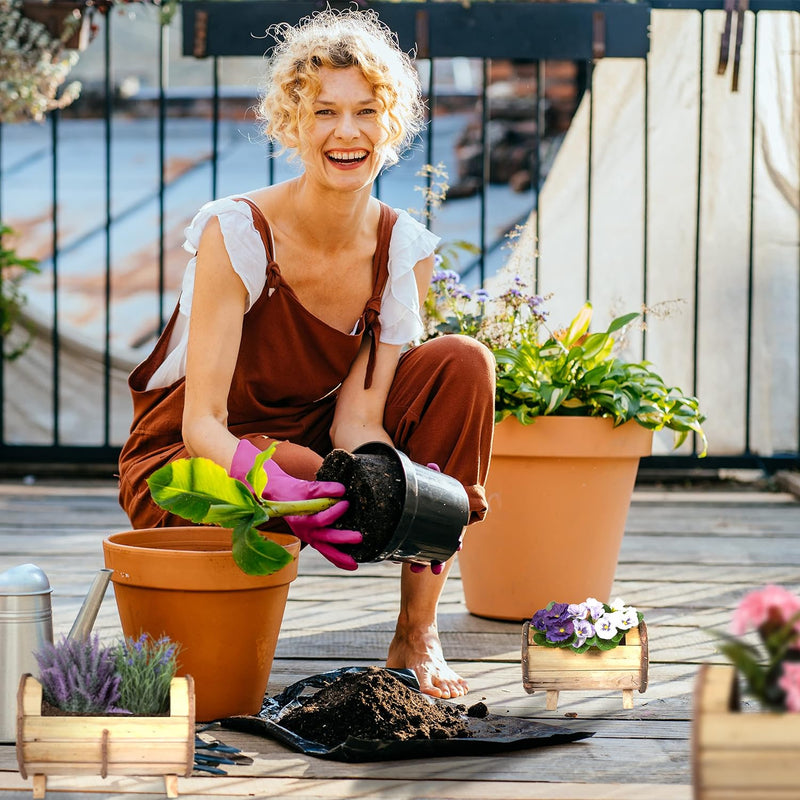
{"points": [[79, 676], [146, 666]]}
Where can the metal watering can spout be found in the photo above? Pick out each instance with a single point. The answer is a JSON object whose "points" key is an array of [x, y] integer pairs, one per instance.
{"points": [[84, 622]]}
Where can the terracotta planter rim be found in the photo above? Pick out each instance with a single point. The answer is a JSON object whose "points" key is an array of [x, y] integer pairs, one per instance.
{"points": [[189, 568], [555, 437]]}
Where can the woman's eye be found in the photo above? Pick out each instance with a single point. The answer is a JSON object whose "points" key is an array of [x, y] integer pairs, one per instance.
{"points": [[323, 112], [368, 111]]}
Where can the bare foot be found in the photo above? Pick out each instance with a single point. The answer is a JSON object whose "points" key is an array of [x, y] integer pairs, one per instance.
{"points": [[421, 651]]}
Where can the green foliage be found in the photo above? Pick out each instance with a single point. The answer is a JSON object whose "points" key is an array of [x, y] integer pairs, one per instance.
{"points": [[201, 491], [13, 270], [577, 375], [146, 667], [568, 373]]}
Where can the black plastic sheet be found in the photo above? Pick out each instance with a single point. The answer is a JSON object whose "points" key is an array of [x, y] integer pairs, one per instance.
{"points": [[491, 734]]}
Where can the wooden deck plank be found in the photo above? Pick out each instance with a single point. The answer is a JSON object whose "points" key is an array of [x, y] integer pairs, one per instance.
{"points": [[686, 560]]}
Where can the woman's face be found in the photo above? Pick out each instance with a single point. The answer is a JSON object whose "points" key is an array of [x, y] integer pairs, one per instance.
{"points": [[343, 148]]}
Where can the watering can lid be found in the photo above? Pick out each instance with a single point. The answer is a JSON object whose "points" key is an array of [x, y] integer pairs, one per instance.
{"points": [[24, 579]]}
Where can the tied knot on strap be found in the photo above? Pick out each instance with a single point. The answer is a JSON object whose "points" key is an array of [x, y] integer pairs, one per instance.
{"points": [[273, 274], [372, 326]]}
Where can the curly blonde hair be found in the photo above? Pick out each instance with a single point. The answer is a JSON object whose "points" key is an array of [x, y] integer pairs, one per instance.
{"points": [[337, 40]]}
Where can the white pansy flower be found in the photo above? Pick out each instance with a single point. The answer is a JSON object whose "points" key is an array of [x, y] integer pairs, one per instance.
{"points": [[605, 628]]}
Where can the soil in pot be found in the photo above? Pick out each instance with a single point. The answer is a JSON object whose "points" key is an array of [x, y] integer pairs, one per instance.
{"points": [[374, 705], [375, 487]]}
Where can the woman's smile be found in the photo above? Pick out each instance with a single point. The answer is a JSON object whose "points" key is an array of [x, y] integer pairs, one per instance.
{"points": [[347, 159]]}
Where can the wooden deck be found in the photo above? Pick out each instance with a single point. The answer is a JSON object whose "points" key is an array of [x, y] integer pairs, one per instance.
{"points": [[687, 558]]}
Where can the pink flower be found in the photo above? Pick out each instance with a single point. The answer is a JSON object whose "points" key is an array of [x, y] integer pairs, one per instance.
{"points": [[771, 605], [790, 683]]}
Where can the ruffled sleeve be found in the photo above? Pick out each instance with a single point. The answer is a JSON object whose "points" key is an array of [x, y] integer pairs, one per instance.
{"points": [[400, 314], [242, 241], [248, 258]]}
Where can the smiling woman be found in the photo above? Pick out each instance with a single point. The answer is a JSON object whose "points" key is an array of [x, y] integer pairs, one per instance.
{"points": [[297, 312]]}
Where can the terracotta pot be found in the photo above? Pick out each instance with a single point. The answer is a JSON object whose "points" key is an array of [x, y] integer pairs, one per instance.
{"points": [[183, 582], [559, 492]]}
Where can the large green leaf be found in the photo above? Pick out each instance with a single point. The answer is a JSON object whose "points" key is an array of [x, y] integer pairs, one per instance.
{"points": [[201, 491], [255, 554]]}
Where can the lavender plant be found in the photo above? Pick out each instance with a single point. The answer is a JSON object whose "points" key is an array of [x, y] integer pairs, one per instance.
{"points": [[79, 676], [146, 667]]}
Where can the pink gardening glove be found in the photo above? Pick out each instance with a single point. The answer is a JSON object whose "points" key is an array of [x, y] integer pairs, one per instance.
{"points": [[436, 566], [313, 529]]}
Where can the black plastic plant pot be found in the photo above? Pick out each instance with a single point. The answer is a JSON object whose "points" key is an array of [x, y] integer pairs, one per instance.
{"points": [[434, 512]]}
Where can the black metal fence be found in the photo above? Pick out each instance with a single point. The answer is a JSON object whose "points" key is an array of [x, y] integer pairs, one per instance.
{"points": [[676, 185]]}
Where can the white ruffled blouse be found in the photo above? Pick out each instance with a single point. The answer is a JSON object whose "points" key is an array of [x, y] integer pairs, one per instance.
{"points": [[400, 314]]}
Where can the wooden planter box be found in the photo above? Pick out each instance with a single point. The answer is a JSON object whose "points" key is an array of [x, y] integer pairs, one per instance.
{"points": [[554, 669], [103, 745], [740, 755]]}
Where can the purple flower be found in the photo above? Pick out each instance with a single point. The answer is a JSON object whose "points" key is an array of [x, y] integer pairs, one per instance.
{"points": [[482, 296], [560, 629]]}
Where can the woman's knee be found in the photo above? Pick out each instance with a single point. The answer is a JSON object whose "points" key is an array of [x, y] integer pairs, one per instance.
{"points": [[466, 356]]}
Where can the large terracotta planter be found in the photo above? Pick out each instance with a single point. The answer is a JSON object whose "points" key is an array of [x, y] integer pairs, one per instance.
{"points": [[183, 582], [559, 492]]}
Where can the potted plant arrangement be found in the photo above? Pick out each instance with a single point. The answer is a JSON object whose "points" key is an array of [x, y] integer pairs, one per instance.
{"points": [[572, 421], [236, 577], [588, 645], [756, 754], [107, 710]]}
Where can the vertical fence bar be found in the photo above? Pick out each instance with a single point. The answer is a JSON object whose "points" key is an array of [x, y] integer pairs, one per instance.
{"points": [[54, 338], [750, 247], [541, 77], [645, 199], [163, 65], [590, 89], [214, 127], [696, 309], [429, 144], [107, 113], [485, 169]]}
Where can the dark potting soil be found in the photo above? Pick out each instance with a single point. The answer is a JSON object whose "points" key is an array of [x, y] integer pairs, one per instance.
{"points": [[376, 491], [374, 705]]}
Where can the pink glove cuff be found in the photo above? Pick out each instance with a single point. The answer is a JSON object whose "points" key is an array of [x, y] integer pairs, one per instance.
{"points": [[243, 460]]}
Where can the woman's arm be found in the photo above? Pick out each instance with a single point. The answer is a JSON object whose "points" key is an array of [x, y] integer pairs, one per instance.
{"points": [[215, 331], [359, 411]]}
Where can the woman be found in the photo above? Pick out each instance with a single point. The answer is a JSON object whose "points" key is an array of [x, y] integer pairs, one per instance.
{"points": [[295, 310]]}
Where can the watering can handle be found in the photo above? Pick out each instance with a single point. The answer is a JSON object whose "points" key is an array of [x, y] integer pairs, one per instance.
{"points": [[84, 622]]}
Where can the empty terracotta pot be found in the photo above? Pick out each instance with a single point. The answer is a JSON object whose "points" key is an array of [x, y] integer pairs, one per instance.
{"points": [[184, 583]]}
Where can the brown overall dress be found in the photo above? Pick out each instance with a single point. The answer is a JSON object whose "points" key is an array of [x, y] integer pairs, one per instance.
{"points": [[440, 407]]}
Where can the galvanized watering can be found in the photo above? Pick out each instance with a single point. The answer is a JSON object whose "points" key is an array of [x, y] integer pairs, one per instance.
{"points": [[26, 625]]}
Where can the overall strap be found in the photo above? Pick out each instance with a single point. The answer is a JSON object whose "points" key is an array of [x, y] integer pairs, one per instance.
{"points": [[262, 226], [372, 322]]}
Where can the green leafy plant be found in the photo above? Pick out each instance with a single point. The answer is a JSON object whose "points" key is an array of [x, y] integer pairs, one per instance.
{"points": [[13, 270], [146, 667], [201, 491], [567, 372]]}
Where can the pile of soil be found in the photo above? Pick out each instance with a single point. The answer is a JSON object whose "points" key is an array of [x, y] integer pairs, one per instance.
{"points": [[375, 487], [375, 705]]}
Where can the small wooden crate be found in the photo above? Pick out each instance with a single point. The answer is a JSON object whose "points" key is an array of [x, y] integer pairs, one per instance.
{"points": [[740, 755], [554, 669], [105, 745]]}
